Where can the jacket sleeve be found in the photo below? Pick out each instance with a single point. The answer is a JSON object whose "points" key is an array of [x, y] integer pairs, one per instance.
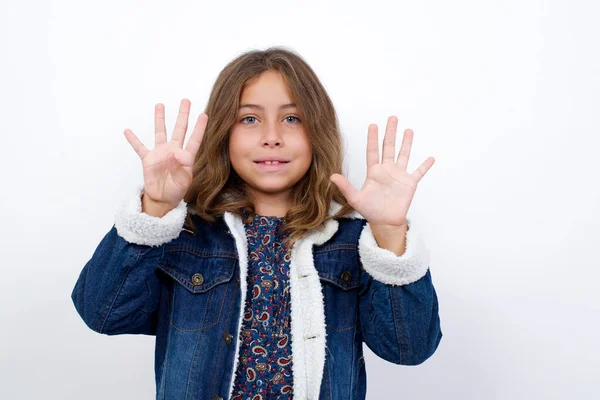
{"points": [[118, 290], [398, 304]]}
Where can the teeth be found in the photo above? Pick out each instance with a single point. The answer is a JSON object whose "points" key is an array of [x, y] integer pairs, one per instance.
{"points": [[271, 162]]}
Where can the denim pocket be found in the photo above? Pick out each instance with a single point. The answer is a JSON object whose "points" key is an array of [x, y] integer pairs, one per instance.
{"points": [[338, 271], [200, 286]]}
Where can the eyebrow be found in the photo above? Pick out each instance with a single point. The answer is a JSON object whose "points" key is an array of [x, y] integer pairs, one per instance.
{"points": [[256, 106]]}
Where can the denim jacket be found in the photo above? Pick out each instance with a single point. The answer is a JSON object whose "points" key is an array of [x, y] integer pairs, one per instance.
{"points": [[153, 276]]}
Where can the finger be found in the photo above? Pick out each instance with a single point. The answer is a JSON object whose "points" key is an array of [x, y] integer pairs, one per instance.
{"points": [[372, 146], [179, 175], [389, 141], [181, 123], [404, 153], [422, 170], [184, 158], [194, 143], [138, 146], [160, 129], [349, 192]]}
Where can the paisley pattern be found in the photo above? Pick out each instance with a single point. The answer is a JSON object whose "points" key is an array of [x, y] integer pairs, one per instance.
{"points": [[265, 366]]}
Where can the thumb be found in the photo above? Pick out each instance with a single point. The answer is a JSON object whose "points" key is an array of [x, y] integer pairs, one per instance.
{"points": [[345, 187]]}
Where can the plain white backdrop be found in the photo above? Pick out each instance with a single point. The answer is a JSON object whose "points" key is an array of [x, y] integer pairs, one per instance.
{"points": [[504, 94]]}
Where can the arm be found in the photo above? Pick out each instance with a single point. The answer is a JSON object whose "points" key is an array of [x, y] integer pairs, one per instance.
{"points": [[398, 303], [117, 290], [391, 238]]}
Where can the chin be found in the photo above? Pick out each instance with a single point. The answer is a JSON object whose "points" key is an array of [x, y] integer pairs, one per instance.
{"points": [[272, 188]]}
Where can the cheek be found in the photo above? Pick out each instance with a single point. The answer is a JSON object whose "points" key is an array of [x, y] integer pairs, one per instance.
{"points": [[234, 151], [300, 142], [236, 145], [306, 158], [306, 150]]}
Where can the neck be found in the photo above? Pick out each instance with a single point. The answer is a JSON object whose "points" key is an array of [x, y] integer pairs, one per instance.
{"points": [[272, 205]]}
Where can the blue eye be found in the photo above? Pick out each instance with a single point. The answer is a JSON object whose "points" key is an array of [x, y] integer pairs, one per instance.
{"points": [[295, 120], [243, 119]]}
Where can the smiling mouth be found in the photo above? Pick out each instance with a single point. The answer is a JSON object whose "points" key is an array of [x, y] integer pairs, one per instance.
{"points": [[271, 166], [271, 162]]}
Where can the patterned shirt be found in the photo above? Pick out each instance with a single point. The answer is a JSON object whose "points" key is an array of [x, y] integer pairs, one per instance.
{"points": [[265, 366]]}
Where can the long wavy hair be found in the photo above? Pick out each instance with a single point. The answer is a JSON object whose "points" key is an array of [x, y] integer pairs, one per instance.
{"points": [[217, 188]]}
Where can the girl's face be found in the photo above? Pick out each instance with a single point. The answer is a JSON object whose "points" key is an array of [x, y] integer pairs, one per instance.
{"points": [[269, 127]]}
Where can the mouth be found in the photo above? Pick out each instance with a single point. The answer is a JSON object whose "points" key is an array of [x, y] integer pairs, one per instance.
{"points": [[271, 162], [271, 165]]}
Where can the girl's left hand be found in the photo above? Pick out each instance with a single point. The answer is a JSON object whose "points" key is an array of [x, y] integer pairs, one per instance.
{"points": [[388, 190]]}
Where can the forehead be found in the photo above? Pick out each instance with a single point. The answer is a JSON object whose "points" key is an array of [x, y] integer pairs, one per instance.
{"points": [[269, 88]]}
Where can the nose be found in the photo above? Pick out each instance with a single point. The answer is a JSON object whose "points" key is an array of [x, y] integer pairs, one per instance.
{"points": [[272, 136]]}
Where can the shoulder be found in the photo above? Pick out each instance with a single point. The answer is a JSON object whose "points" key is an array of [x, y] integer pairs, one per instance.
{"points": [[206, 233]]}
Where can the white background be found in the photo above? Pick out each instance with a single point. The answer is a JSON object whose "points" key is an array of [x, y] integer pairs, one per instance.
{"points": [[504, 94]]}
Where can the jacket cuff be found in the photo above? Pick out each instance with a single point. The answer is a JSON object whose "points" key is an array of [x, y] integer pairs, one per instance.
{"points": [[387, 267], [137, 227]]}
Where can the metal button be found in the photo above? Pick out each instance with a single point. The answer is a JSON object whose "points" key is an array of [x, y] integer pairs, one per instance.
{"points": [[237, 279], [197, 279], [227, 337], [346, 276], [217, 398]]}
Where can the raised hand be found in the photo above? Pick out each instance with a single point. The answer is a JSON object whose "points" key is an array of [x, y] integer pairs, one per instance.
{"points": [[168, 167], [388, 190]]}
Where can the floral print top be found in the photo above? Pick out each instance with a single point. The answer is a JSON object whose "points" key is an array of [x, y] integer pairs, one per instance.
{"points": [[265, 365]]}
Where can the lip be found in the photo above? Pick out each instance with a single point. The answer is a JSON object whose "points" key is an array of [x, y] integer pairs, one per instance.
{"points": [[271, 159], [270, 168]]}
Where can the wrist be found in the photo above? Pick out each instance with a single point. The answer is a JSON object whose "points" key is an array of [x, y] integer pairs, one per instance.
{"points": [[154, 208], [390, 237]]}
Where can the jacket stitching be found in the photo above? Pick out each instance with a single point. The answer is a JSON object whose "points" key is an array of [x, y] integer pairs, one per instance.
{"points": [[149, 296], [109, 305], [163, 378], [203, 326], [211, 294], [336, 280], [192, 364], [179, 248], [343, 329], [179, 277], [221, 346], [396, 309], [220, 310], [334, 247]]}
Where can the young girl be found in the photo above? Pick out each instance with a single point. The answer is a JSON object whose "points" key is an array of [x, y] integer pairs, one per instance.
{"points": [[254, 262]]}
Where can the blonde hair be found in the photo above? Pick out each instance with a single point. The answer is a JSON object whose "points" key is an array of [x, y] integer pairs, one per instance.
{"points": [[217, 188]]}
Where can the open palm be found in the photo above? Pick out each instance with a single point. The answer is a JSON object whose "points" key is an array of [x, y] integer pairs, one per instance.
{"points": [[388, 190], [168, 166]]}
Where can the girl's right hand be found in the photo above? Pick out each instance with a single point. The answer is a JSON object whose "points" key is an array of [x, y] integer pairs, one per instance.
{"points": [[168, 167]]}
